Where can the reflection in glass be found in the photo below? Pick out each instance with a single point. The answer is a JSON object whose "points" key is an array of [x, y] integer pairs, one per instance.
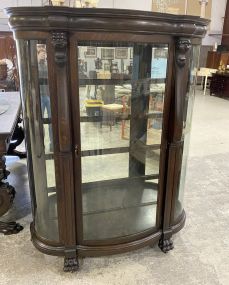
{"points": [[37, 117], [121, 107], [44, 95], [188, 108]]}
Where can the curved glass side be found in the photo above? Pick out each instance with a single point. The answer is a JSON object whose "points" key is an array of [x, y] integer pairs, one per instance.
{"points": [[188, 108], [39, 139]]}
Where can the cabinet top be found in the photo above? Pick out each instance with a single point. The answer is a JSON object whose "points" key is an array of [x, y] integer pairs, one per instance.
{"points": [[49, 18]]}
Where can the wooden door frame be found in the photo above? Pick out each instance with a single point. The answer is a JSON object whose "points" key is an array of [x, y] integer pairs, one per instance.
{"points": [[130, 38]]}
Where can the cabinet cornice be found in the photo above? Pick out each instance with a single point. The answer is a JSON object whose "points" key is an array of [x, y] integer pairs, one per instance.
{"points": [[104, 20]]}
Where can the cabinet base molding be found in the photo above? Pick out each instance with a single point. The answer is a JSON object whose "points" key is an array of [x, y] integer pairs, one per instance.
{"points": [[53, 248]]}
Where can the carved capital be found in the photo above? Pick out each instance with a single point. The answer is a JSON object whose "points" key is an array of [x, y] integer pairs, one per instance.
{"points": [[182, 47], [59, 40]]}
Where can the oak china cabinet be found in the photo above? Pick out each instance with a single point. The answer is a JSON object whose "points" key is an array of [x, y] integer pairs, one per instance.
{"points": [[107, 99]]}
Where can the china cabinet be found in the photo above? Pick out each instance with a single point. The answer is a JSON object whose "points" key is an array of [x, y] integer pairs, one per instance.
{"points": [[107, 100]]}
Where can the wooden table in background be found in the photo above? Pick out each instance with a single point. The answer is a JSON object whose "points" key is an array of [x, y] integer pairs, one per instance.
{"points": [[10, 106], [220, 85]]}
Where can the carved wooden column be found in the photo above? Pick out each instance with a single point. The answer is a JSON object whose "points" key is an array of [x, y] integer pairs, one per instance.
{"points": [[175, 147], [64, 154]]}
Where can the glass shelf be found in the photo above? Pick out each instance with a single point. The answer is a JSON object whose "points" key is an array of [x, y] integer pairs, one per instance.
{"points": [[93, 81], [128, 206], [122, 222]]}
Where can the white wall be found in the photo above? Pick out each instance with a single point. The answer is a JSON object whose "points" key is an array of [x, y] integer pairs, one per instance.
{"points": [[216, 26], [11, 3], [126, 4]]}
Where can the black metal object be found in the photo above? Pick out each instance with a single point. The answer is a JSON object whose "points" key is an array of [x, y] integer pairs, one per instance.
{"points": [[7, 192], [16, 140]]}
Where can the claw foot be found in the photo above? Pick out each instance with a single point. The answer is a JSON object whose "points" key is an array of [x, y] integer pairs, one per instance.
{"points": [[165, 244], [71, 264], [10, 228]]}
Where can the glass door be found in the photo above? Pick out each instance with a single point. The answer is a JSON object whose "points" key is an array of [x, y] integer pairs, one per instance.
{"points": [[121, 95]]}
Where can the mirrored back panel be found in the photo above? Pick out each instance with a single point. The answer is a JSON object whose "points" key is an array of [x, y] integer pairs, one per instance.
{"points": [[121, 94]]}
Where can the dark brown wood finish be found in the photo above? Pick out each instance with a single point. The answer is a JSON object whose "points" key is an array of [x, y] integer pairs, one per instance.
{"points": [[65, 163], [76, 136], [219, 85], [100, 250], [166, 133], [64, 28], [8, 125], [175, 145], [215, 59], [46, 246], [105, 20]]}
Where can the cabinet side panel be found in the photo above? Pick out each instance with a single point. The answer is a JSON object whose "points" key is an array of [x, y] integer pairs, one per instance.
{"points": [[38, 123], [187, 120]]}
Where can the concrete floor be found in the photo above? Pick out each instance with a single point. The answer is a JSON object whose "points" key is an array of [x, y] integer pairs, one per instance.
{"points": [[201, 254]]}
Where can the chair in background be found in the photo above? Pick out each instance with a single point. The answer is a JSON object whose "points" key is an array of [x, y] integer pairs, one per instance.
{"points": [[205, 73]]}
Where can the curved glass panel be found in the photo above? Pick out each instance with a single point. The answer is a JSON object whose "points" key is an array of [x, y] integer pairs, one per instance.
{"points": [[39, 138], [189, 102], [121, 93]]}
